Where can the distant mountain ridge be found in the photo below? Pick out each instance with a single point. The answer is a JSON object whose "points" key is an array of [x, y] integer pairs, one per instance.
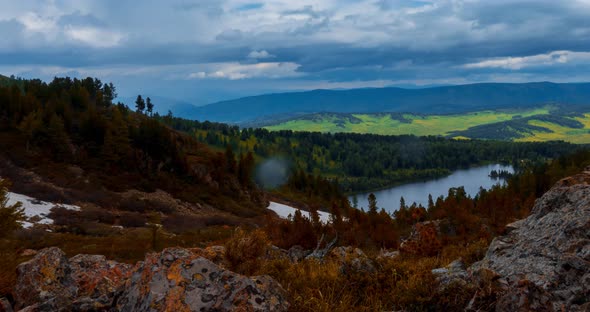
{"points": [[435, 100]]}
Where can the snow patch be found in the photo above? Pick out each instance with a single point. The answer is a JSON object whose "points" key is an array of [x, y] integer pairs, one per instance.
{"points": [[36, 208], [284, 211]]}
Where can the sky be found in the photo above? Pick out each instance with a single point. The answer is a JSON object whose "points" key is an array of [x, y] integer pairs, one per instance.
{"points": [[201, 51]]}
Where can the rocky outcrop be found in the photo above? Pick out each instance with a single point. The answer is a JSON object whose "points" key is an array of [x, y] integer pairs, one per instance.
{"points": [[544, 260], [174, 280], [50, 281], [179, 280]]}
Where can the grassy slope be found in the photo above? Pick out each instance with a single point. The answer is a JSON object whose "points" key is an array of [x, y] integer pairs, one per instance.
{"points": [[579, 136], [419, 125], [440, 124]]}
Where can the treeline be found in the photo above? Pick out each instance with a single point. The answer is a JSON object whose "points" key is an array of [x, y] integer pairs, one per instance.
{"points": [[456, 219], [75, 122], [365, 161]]}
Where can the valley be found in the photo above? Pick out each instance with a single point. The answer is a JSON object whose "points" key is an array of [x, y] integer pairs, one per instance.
{"points": [[294, 156]]}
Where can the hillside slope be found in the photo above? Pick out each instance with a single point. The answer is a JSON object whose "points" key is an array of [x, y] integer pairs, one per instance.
{"points": [[535, 124], [438, 100]]}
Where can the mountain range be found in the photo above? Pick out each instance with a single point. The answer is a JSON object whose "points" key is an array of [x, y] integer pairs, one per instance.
{"points": [[435, 100]]}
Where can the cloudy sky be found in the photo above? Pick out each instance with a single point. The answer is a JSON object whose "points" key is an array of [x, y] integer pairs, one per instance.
{"points": [[206, 50]]}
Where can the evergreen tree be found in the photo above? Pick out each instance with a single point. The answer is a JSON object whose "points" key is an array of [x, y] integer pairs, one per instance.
{"points": [[246, 169], [231, 159], [372, 204], [59, 142], [117, 145], [109, 94], [402, 203], [10, 216], [149, 105], [139, 104], [30, 125]]}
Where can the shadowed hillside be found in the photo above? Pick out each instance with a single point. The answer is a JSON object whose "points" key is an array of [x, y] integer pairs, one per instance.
{"points": [[439, 100]]}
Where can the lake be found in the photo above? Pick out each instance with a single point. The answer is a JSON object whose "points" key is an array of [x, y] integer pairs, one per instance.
{"points": [[472, 179]]}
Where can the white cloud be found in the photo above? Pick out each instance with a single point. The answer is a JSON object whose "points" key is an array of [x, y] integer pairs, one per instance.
{"points": [[93, 36], [35, 23], [262, 54], [237, 71], [516, 63]]}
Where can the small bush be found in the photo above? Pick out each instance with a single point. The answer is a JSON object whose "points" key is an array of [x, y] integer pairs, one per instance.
{"points": [[243, 250]]}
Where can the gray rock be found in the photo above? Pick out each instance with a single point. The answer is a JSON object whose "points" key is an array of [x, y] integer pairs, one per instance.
{"points": [[297, 253], [454, 273], [187, 282], [545, 258], [43, 279], [174, 280]]}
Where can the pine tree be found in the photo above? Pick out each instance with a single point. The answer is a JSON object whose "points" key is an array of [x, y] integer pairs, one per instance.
{"points": [[246, 169], [231, 159], [59, 142], [116, 143], [30, 125], [150, 106], [10, 216], [139, 104], [372, 204]]}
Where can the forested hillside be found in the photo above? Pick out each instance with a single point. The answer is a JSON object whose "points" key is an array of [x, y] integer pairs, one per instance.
{"points": [[438, 100], [71, 122], [360, 162]]}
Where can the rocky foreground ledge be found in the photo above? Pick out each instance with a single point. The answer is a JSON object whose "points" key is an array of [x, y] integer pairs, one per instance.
{"points": [[176, 279], [542, 263]]}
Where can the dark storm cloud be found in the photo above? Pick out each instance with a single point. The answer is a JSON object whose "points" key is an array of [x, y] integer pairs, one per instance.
{"points": [[312, 42]]}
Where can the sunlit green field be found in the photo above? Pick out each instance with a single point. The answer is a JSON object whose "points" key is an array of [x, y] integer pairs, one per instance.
{"points": [[579, 136], [420, 125], [444, 125]]}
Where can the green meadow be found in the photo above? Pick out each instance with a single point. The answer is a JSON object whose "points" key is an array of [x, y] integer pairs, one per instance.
{"points": [[458, 126]]}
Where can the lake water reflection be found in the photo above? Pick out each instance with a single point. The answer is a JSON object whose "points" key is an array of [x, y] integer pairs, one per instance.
{"points": [[472, 179]]}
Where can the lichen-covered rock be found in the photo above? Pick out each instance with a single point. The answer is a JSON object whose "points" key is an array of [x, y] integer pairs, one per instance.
{"points": [[545, 258], [454, 273], [215, 254], [51, 282], [174, 280], [45, 278], [180, 280], [97, 279], [351, 260]]}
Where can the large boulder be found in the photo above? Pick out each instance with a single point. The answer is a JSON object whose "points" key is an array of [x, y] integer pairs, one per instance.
{"points": [[52, 282], [174, 280], [545, 258], [178, 280]]}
